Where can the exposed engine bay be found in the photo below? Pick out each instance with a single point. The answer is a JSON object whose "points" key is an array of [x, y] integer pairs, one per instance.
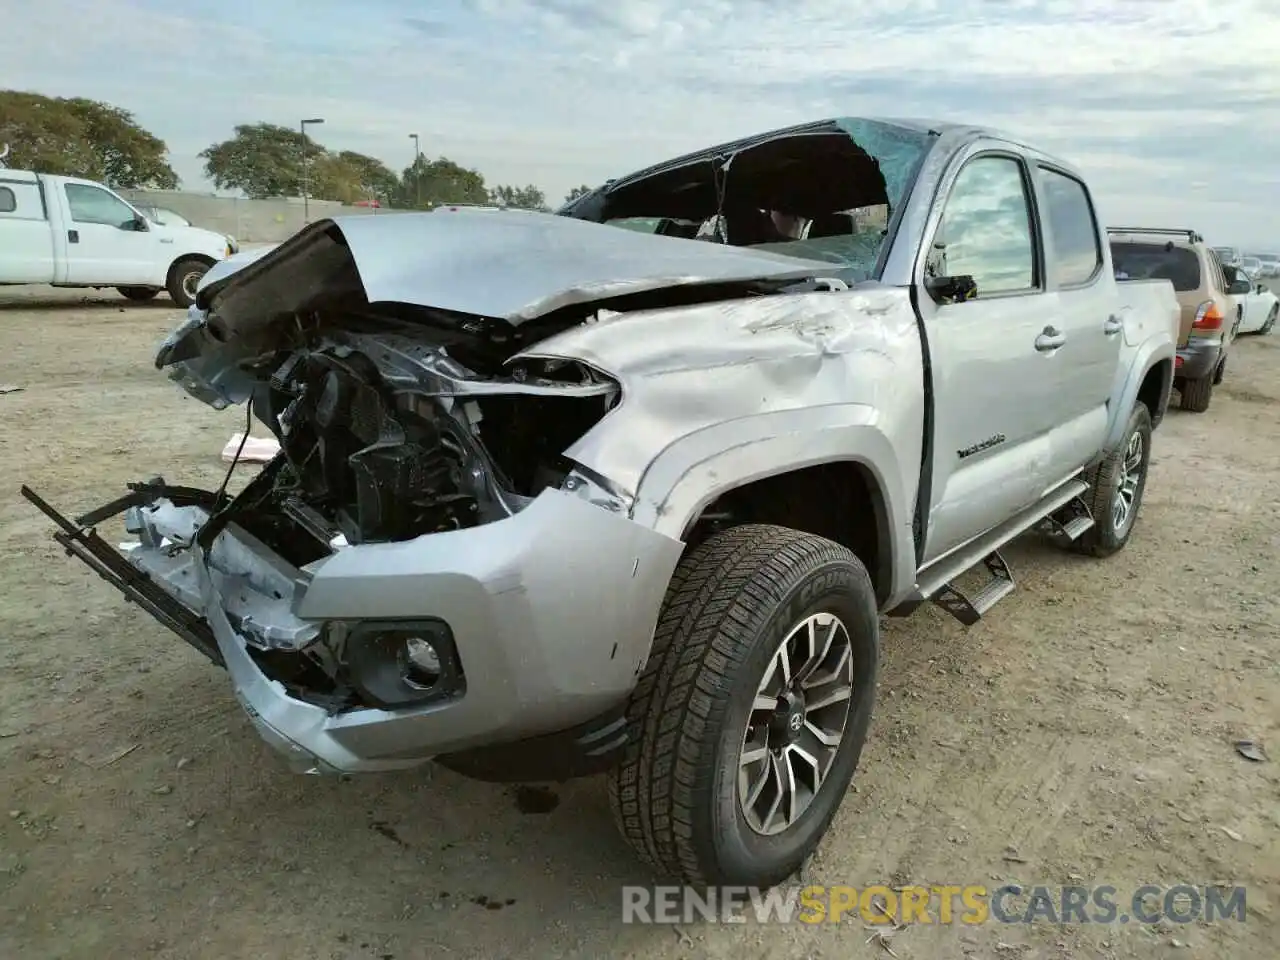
{"points": [[387, 434]]}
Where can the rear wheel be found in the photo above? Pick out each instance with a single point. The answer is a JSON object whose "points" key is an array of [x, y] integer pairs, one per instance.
{"points": [[140, 294], [1115, 488], [184, 277], [1196, 394], [750, 716], [1271, 320]]}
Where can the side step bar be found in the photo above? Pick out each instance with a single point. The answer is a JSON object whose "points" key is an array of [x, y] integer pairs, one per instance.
{"points": [[969, 611], [1062, 513], [1069, 523]]}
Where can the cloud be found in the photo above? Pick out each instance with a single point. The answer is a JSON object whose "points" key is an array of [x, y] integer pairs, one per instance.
{"points": [[1169, 105]]}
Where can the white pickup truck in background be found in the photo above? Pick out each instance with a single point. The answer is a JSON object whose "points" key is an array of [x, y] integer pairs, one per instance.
{"points": [[69, 232]]}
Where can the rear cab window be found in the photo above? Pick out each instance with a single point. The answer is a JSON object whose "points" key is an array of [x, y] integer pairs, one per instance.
{"points": [[20, 200], [1071, 228], [1153, 260]]}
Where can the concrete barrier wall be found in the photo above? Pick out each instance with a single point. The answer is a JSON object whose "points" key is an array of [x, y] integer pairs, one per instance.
{"points": [[249, 221]]}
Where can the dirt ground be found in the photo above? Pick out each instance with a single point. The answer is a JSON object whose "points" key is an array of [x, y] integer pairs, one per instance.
{"points": [[1082, 733]]}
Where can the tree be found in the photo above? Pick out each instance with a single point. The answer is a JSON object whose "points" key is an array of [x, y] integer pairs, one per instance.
{"points": [[349, 177], [262, 159], [429, 183], [576, 192], [79, 137], [265, 160], [527, 197], [372, 176]]}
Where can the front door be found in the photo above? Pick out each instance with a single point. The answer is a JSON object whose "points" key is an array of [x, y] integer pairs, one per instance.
{"points": [[104, 244], [995, 368]]}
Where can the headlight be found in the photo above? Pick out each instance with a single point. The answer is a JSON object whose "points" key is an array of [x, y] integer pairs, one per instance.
{"points": [[396, 664]]}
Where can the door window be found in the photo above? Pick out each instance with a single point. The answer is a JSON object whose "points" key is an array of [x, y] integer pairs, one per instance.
{"points": [[986, 230], [1077, 254], [94, 205]]}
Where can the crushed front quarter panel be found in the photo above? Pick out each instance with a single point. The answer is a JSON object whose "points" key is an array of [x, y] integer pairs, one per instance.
{"points": [[719, 395]]}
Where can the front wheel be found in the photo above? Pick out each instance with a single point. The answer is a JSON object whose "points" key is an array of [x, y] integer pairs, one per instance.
{"points": [[184, 277], [749, 718], [1271, 320], [1115, 488]]}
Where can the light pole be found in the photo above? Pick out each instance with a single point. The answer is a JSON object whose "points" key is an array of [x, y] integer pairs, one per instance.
{"points": [[417, 181], [306, 218]]}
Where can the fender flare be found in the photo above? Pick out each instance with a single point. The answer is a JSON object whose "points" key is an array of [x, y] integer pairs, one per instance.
{"points": [[1130, 381], [701, 466]]}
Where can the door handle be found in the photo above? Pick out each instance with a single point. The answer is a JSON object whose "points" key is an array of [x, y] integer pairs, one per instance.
{"points": [[1051, 339], [73, 236], [1113, 325]]}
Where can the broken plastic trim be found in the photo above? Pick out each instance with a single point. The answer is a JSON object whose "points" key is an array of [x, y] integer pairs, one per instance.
{"points": [[85, 544]]}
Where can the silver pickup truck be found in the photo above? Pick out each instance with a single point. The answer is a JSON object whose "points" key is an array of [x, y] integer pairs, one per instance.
{"points": [[626, 488]]}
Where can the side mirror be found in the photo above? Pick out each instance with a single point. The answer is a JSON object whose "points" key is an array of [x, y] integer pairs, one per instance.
{"points": [[1239, 288], [1261, 288], [952, 289]]}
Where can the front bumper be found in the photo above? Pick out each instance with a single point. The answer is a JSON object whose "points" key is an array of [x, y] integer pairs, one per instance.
{"points": [[552, 612], [1197, 359]]}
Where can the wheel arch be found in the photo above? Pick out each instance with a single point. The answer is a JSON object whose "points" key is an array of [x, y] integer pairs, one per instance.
{"points": [[1154, 389], [1149, 380], [830, 499], [198, 257]]}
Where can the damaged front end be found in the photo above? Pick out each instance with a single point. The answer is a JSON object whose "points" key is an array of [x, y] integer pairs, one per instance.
{"points": [[420, 571], [425, 570]]}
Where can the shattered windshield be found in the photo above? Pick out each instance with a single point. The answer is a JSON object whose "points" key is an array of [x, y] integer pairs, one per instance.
{"points": [[822, 192]]}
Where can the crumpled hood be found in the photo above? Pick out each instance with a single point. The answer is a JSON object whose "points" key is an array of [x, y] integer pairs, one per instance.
{"points": [[508, 264], [232, 264]]}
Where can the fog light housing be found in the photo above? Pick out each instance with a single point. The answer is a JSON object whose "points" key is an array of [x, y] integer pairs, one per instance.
{"points": [[396, 664]]}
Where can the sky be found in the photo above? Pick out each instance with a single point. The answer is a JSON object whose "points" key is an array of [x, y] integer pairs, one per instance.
{"points": [[1171, 107]]}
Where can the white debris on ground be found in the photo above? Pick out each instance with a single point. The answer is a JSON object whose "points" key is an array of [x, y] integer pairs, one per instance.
{"points": [[256, 449]]}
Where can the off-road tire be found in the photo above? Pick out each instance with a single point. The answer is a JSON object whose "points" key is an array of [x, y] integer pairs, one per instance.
{"points": [[1271, 320], [180, 285], [731, 602], [1103, 539], [138, 294], [1196, 394]]}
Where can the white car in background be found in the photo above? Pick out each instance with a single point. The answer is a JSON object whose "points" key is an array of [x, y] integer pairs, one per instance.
{"points": [[1256, 309], [1270, 264], [1250, 265], [69, 232]]}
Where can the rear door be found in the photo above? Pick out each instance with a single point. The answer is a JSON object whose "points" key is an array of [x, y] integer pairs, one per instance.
{"points": [[1081, 302], [995, 375], [26, 237], [104, 245]]}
